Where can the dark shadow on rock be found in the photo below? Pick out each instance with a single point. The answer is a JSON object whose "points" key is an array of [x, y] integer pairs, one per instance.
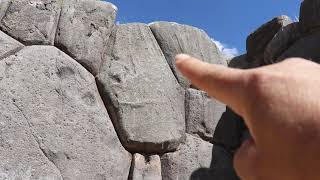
{"points": [[229, 134], [221, 167]]}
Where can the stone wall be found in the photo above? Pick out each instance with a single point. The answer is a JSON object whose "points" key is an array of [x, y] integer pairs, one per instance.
{"points": [[83, 98]]}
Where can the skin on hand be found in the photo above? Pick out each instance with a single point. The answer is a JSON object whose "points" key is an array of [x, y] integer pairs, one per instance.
{"points": [[280, 104]]}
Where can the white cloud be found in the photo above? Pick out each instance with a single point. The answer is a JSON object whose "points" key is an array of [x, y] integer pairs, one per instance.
{"points": [[225, 50]]}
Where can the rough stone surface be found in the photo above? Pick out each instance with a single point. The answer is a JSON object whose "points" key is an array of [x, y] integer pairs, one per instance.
{"points": [[175, 38], [309, 15], [241, 62], [197, 159], [145, 167], [59, 101], [229, 131], [259, 39], [142, 96], [3, 7], [8, 45], [32, 21], [284, 38], [307, 47], [84, 29], [202, 114], [20, 155]]}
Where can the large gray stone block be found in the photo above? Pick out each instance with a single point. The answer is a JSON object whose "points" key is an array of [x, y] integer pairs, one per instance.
{"points": [[8, 45], [198, 159], [309, 15], [20, 155], [145, 167], [84, 29], [284, 38], [175, 38], [202, 114], [59, 100], [259, 39], [307, 47], [32, 21], [143, 97]]}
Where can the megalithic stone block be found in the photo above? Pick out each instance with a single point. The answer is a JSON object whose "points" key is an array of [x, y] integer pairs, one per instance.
{"points": [[308, 47], [146, 167], [198, 159], [175, 38], [143, 97], [56, 100], [309, 15], [259, 39], [202, 114], [282, 41], [32, 21], [84, 29]]}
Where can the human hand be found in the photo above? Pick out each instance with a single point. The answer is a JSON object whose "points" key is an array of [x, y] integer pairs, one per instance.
{"points": [[280, 104]]}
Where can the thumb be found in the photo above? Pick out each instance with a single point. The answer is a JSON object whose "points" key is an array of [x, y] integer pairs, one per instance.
{"points": [[223, 83], [246, 160]]}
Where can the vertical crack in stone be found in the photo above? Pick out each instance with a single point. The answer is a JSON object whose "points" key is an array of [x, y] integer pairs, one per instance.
{"points": [[36, 138], [167, 60], [111, 112]]}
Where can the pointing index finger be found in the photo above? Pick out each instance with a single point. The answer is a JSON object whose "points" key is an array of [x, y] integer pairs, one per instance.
{"points": [[223, 83]]}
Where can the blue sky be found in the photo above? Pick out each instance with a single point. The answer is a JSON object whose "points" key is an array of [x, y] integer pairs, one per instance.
{"points": [[227, 21]]}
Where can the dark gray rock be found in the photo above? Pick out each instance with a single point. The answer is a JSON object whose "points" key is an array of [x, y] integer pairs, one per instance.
{"points": [[32, 21], [259, 39], [8, 45], [241, 62], [307, 47], [144, 99], [284, 38], [202, 114], [198, 159], [59, 101], [84, 29], [145, 167], [229, 131], [309, 15], [175, 38]]}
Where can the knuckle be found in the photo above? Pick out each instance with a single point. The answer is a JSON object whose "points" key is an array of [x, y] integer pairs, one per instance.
{"points": [[257, 82]]}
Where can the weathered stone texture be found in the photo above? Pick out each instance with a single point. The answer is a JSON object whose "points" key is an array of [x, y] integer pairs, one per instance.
{"points": [[241, 62], [284, 38], [307, 47], [309, 15], [197, 159], [32, 21], [259, 39], [20, 155], [8, 45], [3, 7], [202, 114], [84, 29], [145, 167], [175, 38], [59, 101], [143, 97]]}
